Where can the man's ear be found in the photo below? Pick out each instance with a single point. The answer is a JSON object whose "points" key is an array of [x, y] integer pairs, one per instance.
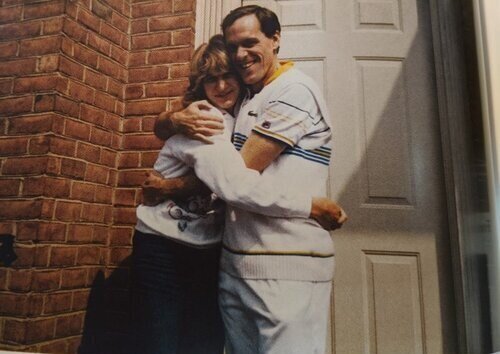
{"points": [[276, 42]]}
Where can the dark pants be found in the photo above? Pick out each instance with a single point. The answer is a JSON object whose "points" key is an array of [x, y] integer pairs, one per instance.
{"points": [[174, 298]]}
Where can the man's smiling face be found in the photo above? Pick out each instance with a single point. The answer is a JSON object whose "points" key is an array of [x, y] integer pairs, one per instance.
{"points": [[253, 54]]}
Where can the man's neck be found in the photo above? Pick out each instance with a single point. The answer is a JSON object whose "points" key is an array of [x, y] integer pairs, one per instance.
{"points": [[257, 87]]}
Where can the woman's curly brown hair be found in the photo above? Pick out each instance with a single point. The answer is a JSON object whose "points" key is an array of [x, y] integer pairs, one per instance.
{"points": [[209, 59]]}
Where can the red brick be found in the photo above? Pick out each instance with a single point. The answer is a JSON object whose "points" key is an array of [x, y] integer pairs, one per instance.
{"points": [[10, 14], [75, 30], [168, 89], [33, 187], [85, 55], [169, 56], [117, 255], [131, 178], [96, 80], [8, 49], [6, 88], [69, 325], [71, 68], [80, 300], [41, 256], [183, 37], [20, 209], [101, 10], [53, 26], [56, 187], [46, 280], [112, 121], [9, 187], [105, 101], [67, 46], [148, 159], [98, 43], [45, 9], [125, 197], [88, 152], [77, 130], [118, 5], [134, 91], [88, 255], [179, 71], [25, 231], [20, 30], [58, 346], [62, 146], [52, 232], [81, 92], [74, 343], [13, 146], [16, 105], [148, 74], [57, 303], [139, 26], [148, 124], [39, 145], [151, 41], [120, 22], [40, 330], [120, 108], [111, 33], [115, 88], [137, 59], [13, 304], [132, 125], [25, 166], [100, 136], [48, 207], [80, 233], [63, 256], [19, 280], [152, 9], [108, 158], [142, 107], [92, 115], [15, 331], [97, 174], [128, 160], [35, 84], [40, 46], [94, 213], [171, 23], [184, 5], [88, 19], [68, 211], [109, 67], [83, 191], [25, 256], [142, 142], [67, 106], [101, 233], [45, 103], [121, 237], [73, 278], [3, 276], [48, 63], [119, 54]]}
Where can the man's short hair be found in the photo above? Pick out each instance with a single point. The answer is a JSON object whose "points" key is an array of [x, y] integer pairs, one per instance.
{"points": [[269, 23]]}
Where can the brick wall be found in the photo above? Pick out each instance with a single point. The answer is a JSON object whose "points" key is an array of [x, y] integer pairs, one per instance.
{"points": [[81, 82]]}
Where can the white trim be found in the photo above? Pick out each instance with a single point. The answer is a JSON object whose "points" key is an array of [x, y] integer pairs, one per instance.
{"points": [[487, 28], [209, 15]]}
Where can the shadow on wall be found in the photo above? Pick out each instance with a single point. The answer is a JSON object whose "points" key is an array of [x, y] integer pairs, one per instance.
{"points": [[106, 328]]}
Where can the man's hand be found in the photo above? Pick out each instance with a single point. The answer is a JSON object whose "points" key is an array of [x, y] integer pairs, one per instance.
{"points": [[327, 213], [195, 121]]}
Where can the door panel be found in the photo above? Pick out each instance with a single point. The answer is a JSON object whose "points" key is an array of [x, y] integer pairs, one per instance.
{"points": [[374, 61]]}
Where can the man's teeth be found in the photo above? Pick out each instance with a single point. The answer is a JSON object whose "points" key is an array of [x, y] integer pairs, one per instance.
{"points": [[246, 65]]}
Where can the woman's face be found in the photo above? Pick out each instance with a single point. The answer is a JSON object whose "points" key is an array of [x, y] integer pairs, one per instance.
{"points": [[222, 90]]}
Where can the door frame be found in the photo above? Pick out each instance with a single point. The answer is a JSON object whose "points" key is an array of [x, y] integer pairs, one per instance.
{"points": [[453, 114]]}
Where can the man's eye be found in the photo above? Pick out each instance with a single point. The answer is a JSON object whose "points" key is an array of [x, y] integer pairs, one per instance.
{"points": [[231, 48]]}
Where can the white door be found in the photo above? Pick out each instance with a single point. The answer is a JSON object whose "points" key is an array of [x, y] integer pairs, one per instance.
{"points": [[374, 60]]}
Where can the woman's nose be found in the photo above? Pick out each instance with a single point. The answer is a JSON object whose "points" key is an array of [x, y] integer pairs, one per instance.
{"points": [[221, 84]]}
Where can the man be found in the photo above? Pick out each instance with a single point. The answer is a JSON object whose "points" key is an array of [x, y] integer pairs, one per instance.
{"points": [[276, 273]]}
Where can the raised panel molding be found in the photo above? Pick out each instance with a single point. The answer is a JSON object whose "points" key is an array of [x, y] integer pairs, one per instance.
{"points": [[209, 16], [392, 291], [385, 133], [379, 15]]}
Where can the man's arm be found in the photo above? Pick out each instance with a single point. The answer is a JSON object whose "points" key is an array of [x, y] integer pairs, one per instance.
{"points": [[195, 121]]}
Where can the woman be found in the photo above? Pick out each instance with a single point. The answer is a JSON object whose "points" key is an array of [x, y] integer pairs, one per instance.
{"points": [[177, 243]]}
